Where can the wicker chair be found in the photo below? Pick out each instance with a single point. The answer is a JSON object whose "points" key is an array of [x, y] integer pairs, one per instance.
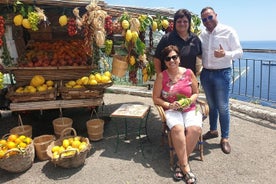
{"points": [[203, 107]]}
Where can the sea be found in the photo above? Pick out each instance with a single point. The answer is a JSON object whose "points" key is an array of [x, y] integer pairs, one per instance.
{"points": [[264, 89]]}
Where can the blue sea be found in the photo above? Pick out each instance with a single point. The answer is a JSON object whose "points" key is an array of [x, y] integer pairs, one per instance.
{"points": [[264, 87]]}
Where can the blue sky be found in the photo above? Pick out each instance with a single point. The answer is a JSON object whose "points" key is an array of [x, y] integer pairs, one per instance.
{"points": [[253, 20]]}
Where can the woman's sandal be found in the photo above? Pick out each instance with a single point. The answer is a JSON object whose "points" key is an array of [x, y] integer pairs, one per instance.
{"points": [[189, 178], [178, 174]]}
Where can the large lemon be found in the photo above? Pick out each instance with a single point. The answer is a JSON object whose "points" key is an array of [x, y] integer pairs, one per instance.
{"points": [[154, 26], [17, 20], [125, 24], [63, 20], [26, 24]]}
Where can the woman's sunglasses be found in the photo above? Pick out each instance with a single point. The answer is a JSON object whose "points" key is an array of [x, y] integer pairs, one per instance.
{"points": [[168, 58], [210, 17]]}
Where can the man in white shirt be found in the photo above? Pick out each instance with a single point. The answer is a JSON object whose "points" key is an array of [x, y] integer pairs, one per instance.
{"points": [[220, 45]]}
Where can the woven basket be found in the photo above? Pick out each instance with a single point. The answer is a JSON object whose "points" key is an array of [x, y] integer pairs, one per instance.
{"points": [[73, 161], [22, 130], [60, 124], [119, 66], [95, 129], [19, 162], [41, 144]]}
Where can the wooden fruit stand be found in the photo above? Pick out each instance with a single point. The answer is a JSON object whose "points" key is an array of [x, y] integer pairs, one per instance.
{"points": [[59, 73]]}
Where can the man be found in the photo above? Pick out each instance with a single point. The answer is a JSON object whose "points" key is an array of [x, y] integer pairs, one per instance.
{"points": [[220, 45]]}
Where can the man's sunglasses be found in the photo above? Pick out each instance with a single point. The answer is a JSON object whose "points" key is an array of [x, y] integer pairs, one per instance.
{"points": [[174, 57], [210, 17]]}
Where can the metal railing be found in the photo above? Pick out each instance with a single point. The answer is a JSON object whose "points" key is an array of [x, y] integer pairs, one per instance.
{"points": [[252, 80]]}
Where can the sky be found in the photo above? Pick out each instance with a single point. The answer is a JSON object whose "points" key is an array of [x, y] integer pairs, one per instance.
{"points": [[253, 20]]}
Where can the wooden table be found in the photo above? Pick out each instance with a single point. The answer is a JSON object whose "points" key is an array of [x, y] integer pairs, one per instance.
{"points": [[129, 111]]}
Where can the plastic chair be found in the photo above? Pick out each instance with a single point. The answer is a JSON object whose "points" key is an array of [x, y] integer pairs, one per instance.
{"points": [[203, 107]]}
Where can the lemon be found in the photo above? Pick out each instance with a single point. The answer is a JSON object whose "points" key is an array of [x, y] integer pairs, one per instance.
{"points": [[11, 145], [98, 77], [55, 149], [41, 88], [65, 143], [85, 80], [71, 83], [17, 20], [79, 82], [93, 82], [76, 144], [91, 76], [134, 36], [105, 79], [26, 24], [132, 60], [63, 20], [154, 26], [107, 73], [22, 145], [128, 35], [165, 23], [49, 83], [125, 24]]}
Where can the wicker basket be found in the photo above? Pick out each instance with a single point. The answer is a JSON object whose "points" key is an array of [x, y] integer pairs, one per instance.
{"points": [[95, 129], [60, 124], [119, 66], [22, 130], [41, 143], [72, 161], [19, 162]]}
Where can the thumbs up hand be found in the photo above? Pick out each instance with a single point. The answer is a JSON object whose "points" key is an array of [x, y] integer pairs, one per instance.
{"points": [[219, 53]]}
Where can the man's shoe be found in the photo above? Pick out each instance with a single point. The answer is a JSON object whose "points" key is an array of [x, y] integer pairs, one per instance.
{"points": [[225, 147], [210, 135]]}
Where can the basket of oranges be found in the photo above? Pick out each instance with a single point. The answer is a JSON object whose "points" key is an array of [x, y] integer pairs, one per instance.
{"points": [[16, 153], [69, 151]]}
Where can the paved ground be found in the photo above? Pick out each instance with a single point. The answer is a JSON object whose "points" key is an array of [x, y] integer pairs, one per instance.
{"points": [[252, 159]]}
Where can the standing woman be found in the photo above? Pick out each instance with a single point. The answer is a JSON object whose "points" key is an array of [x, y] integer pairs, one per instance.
{"points": [[184, 122], [188, 43], [220, 45]]}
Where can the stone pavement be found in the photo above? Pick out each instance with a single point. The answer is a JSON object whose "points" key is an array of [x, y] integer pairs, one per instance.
{"points": [[252, 159]]}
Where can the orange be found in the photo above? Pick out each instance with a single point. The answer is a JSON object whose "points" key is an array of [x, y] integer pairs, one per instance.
{"points": [[17, 141], [12, 137]]}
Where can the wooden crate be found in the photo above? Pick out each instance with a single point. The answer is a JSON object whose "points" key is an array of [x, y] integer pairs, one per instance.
{"points": [[31, 97], [23, 74], [79, 93]]}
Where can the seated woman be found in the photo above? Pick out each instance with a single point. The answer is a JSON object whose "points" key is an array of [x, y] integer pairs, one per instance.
{"points": [[173, 87]]}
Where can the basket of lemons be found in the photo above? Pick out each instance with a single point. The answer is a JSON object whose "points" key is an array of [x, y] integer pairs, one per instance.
{"points": [[69, 151], [16, 153]]}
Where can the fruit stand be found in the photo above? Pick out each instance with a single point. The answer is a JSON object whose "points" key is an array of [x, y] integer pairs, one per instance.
{"points": [[65, 41]]}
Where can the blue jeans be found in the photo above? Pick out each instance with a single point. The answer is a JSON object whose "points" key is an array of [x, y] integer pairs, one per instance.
{"points": [[217, 85]]}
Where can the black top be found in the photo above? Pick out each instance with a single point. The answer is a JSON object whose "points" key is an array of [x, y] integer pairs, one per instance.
{"points": [[188, 50]]}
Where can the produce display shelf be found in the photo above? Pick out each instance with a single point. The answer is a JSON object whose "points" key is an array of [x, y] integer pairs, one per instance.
{"points": [[55, 104]]}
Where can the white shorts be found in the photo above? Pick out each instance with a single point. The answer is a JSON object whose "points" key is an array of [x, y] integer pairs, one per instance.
{"points": [[190, 118]]}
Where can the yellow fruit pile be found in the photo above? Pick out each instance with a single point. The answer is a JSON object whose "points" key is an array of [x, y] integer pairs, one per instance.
{"points": [[92, 79], [37, 84], [69, 147], [14, 142]]}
